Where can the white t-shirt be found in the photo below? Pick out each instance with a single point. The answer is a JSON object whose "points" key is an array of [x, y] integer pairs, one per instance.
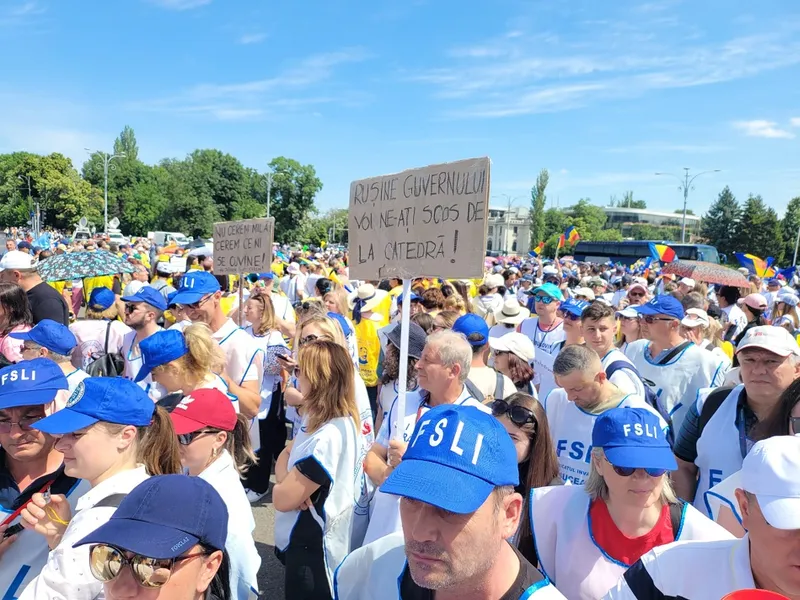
{"points": [[133, 362], [734, 314], [133, 288], [75, 377], [625, 379], [91, 337], [547, 344], [244, 359]]}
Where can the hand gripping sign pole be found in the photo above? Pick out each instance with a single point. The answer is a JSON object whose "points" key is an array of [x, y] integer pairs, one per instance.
{"points": [[408, 225]]}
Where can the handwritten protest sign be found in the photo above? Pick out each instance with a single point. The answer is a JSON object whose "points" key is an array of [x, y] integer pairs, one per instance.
{"points": [[243, 246], [427, 222]]}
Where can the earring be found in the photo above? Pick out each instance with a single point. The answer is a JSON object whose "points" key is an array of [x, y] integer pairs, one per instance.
{"points": [[214, 453]]}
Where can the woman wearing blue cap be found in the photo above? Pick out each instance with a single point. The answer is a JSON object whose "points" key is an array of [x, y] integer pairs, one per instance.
{"points": [[113, 436], [101, 331], [587, 536]]}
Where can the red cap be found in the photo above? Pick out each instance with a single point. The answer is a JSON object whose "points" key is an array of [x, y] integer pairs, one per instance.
{"points": [[203, 408]]}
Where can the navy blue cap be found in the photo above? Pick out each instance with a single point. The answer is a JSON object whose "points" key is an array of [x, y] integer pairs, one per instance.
{"points": [[30, 383], [148, 295], [194, 285], [51, 335], [463, 446], [414, 298], [633, 438], [662, 304], [101, 299], [159, 349], [110, 399], [24, 244], [573, 306], [470, 324], [164, 517]]}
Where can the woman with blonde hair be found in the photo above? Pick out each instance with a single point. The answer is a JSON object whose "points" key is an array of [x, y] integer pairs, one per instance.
{"points": [[455, 302], [587, 536], [215, 446], [336, 302], [315, 473], [784, 313]]}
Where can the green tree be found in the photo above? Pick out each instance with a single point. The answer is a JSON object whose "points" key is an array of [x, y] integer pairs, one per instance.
{"points": [[188, 212], [790, 224], [126, 144], [721, 223], [538, 203], [679, 211], [628, 201], [760, 230], [294, 187], [556, 221]]}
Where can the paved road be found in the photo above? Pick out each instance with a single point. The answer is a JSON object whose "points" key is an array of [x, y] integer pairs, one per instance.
{"points": [[270, 577]]}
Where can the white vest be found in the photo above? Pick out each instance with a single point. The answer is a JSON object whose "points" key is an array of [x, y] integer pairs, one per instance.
{"points": [[24, 560], [568, 554], [677, 382], [374, 572], [571, 430], [719, 453], [547, 345], [724, 495], [336, 446]]}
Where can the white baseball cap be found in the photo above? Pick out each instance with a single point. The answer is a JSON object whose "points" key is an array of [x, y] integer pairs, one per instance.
{"points": [[688, 282], [517, 343], [772, 339], [629, 312], [585, 292], [14, 259], [771, 471], [695, 317]]}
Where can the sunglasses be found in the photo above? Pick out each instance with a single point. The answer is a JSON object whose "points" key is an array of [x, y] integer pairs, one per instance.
{"points": [[129, 308], [184, 439], [196, 305], [650, 319], [568, 316], [25, 424], [519, 415], [308, 339], [301, 305], [544, 300], [628, 471], [636, 294], [106, 563], [795, 421]]}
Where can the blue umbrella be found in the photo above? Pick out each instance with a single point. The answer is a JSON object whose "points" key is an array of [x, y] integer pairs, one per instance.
{"points": [[77, 265]]}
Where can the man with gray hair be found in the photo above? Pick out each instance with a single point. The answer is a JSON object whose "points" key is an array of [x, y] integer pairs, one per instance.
{"points": [[584, 393]]}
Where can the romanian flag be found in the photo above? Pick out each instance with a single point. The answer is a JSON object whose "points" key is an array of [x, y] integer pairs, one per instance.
{"points": [[662, 253], [537, 252], [571, 235], [756, 265]]}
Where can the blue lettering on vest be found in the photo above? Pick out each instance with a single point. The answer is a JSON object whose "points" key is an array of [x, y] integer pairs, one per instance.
{"points": [[11, 593], [560, 445], [577, 451], [714, 477]]}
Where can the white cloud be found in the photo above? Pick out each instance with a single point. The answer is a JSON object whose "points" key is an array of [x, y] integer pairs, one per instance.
{"points": [[795, 122], [762, 128], [514, 74], [252, 38], [180, 4]]}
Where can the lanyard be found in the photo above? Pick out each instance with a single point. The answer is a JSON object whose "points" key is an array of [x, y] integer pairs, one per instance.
{"points": [[540, 342], [740, 425]]}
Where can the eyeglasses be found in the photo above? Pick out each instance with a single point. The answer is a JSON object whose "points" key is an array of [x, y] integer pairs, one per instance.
{"points": [[308, 339], [544, 300], [795, 421], [24, 424], [519, 415], [568, 315], [129, 307], [636, 294], [628, 471], [184, 439], [650, 319], [195, 305], [106, 563]]}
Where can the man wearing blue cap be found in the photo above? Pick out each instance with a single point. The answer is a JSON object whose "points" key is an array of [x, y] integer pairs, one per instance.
{"points": [[142, 312], [676, 367], [29, 463], [52, 340], [199, 293], [458, 507]]}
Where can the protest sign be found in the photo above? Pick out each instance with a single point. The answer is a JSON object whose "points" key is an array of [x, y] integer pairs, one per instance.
{"points": [[427, 222], [243, 246]]}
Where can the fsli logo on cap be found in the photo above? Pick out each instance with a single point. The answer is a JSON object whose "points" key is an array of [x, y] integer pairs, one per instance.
{"points": [[436, 438], [20, 374], [76, 396], [640, 430]]}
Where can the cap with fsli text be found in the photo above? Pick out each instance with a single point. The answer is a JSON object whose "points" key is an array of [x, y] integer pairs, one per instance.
{"points": [[194, 286], [30, 382]]}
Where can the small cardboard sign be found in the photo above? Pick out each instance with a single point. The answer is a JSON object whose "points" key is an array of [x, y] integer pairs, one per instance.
{"points": [[243, 246]]}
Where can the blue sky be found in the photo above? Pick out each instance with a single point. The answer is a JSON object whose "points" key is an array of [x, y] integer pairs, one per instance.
{"points": [[603, 94]]}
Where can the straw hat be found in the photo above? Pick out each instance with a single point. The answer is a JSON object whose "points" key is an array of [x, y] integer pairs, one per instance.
{"points": [[511, 313], [368, 296]]}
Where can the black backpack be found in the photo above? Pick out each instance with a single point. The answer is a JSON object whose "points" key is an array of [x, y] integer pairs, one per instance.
{"points": [[478, 395], [107, 364]]}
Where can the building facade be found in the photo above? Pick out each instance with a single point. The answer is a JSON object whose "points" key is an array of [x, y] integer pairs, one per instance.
{"points": [[625, 218], [509, 232]]}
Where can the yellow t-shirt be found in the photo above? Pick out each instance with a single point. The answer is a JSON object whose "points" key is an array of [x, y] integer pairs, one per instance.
{"points": [[369, 349], [95, 282]]}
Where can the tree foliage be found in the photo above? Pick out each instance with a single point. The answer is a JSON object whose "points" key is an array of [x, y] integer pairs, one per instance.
{"points": [[759, 230], [790, 226], [721, 222], [538, 203]]}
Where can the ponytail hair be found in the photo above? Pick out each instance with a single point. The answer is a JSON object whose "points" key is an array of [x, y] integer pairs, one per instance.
{"points": [[157, 448], [204, 354], [239, 446]]}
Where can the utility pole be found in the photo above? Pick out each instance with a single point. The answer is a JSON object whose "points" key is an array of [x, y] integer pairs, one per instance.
{"points": [[685, 186], [107, 158], [26, 179]]}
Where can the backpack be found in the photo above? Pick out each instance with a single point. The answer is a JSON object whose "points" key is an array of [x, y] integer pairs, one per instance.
{"points": [[478, 395], [107, 364], [713, 401]]}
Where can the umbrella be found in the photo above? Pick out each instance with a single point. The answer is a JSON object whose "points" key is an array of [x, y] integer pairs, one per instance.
{"points": [[77, 265], [707, 272], [205, 250]]}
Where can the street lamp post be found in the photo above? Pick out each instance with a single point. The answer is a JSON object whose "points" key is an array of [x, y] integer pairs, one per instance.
{"points": [[26, 179], [107, 158], [685, 186], [269, 190]]}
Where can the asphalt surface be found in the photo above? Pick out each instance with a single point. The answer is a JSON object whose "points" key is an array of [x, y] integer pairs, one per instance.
{"points": [[270, 576]]}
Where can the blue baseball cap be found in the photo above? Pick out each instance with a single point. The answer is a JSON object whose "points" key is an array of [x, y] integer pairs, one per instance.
{"points": [[159, 349], [51, 335], [171, 298], [101, 299], [30, 383], [550, 289], [164, 517], [662, 304], [633, 438], [148, 295], [574, 307], [110, 399], [414, 298], [471, 324], [455, 448], [194, 285], [267, 275]]}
